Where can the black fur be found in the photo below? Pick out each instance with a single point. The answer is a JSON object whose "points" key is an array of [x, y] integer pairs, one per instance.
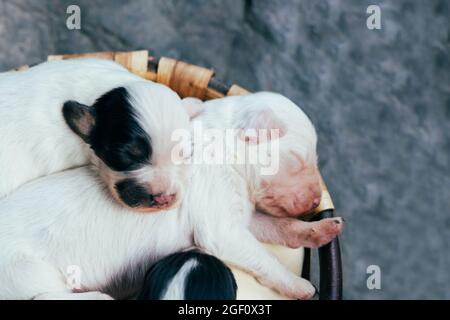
{"points": [[210, 279], [116, 136], [133, 194]]}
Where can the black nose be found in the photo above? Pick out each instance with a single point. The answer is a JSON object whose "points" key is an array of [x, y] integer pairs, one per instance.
{"points": [[134, 194]]}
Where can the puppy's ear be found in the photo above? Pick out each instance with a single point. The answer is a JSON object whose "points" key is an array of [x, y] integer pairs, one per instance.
{"points": [[193, 106], [80, 118], [262, 126]]}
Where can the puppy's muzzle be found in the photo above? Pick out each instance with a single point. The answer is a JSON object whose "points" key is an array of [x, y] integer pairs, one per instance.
{"points": [[136, 196], [164, 200]]}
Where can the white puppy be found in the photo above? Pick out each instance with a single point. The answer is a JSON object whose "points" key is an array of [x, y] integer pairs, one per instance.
{"points": [[124, 123], [69, 219]]}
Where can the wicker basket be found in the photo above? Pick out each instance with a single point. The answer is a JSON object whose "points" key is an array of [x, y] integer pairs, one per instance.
{"points": [[194, 81]]}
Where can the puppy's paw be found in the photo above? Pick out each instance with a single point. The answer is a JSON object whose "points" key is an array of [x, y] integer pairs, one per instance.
{"points": [[323, 231], [96, 295], [292, 287], [90, 295], [315, 234], [301, 289]]}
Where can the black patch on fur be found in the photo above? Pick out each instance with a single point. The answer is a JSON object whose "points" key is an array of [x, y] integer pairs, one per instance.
{"points": [[128, 282], [133, 194], [211, 279], [116, 138]]}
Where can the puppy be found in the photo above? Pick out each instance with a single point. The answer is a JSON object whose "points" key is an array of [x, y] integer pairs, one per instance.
{"points": [[69, 221], [189, 275], [276, 230], [292, 188], [291, 191], [114, 114]]}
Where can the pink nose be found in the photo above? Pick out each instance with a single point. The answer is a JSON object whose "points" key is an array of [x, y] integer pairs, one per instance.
{"points": [[315, 202], [165, 199]]}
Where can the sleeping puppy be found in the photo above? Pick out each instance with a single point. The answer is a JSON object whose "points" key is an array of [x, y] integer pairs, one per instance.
{"points": [[69, 221], [258, 200], [271, 226], [114, 114], [285, 182], [189, 275]]}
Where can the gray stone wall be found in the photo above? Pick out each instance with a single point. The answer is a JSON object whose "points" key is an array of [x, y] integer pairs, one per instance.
{"points": [[380, 100]]}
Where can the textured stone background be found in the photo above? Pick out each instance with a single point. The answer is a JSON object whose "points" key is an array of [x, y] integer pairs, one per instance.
{"points": [[380, 101]]}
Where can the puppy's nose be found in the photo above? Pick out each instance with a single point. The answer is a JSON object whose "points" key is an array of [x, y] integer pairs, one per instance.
{"points": [[315, 202], [162, 199]]}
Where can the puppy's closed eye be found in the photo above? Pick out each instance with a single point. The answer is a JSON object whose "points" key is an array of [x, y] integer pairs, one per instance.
{"points": [[133, 154], [138, 151]]}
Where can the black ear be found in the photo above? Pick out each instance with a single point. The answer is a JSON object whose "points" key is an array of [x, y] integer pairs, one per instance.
{"points": [[80, 118]]}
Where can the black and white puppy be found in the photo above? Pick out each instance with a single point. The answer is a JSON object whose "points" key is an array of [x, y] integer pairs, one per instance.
{"points": [[124, 122], [189, 275]]}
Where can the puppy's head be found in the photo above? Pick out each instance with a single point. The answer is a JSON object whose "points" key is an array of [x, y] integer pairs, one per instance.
{"points": [[129, 130], [293, 189]]}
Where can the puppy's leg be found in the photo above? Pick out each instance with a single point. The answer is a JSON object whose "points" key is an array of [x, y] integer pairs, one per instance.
{"points": [[26, 277], [294, 233], [91, 295], [240, 248]]}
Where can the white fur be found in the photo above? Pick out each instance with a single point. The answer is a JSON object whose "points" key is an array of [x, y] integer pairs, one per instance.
{"points": [[159, 112], [35, 140], [291, 190], [176, 288], [69, 219]]}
